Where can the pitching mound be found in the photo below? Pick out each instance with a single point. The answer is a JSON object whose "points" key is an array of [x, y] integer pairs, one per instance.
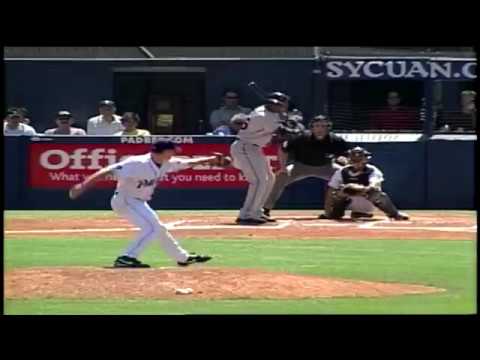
{"points": [[206, 283]]}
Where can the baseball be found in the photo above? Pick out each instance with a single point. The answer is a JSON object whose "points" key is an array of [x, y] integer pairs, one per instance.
{"points": [[184, 291]]}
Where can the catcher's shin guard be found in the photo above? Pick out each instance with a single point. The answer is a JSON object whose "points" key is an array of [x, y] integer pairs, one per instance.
{"points": [[335, 204], [382, 201]]}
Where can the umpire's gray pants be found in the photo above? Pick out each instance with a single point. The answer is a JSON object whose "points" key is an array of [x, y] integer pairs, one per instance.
{"points": [[298, 171], [254, 165]]}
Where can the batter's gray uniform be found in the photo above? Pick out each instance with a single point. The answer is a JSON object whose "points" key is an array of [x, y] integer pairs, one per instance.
{"points": [[248, 156]]}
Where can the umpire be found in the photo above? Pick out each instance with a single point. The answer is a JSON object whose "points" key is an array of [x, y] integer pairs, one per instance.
{"points": [[311, 154]]}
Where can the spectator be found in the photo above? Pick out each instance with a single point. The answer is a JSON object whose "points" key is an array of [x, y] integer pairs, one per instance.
{"points": [[107, 123], [395, 116], [26, 119], [13, 124], [231, 107], [64, 123], [459, 121], [130, 122]]}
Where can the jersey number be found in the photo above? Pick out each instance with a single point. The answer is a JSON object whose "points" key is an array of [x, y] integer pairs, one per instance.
{"points": [[145, 182]]}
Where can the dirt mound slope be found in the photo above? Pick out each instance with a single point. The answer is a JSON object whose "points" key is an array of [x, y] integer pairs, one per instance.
{"points": [[206, 283]]}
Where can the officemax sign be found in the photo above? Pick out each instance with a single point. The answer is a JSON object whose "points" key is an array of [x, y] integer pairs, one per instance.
{"points": [[394, 69]]}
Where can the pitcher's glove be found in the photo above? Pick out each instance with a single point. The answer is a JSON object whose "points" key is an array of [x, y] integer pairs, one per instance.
{"points": [[220, 160], [354, 189]]}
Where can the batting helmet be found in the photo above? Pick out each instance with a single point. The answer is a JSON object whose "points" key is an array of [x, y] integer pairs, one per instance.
{"points": [[279, 96]]}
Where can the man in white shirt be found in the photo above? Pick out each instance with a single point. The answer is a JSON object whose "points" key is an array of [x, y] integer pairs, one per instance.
{"points": [[359, 179], [64, 123], [137, 178], [107, 123], [254, 132], [13, 124]]}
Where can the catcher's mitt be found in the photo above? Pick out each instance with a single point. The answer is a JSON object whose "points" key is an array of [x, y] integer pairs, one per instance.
{"points": [[221, 160], [354, 190]]}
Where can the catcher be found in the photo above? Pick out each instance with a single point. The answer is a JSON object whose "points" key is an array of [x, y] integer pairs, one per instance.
{"points": [[137, 178], [358, 179]]}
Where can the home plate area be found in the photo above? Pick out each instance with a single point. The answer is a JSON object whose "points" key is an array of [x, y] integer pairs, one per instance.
{"points": [[295, 226], [291, 224]]}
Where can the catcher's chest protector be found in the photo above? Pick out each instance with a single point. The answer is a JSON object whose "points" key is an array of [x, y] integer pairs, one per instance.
{"points": [[350, 175]]}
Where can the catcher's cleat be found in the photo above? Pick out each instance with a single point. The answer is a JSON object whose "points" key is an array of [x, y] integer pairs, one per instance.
{"points": [[323, 217], [400, 216], [358, 214], [129, 262], [192, 259], [250, 221], [266, 212]]}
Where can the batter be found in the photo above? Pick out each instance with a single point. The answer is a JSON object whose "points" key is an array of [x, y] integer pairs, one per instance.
{"points": [[254, 133]]}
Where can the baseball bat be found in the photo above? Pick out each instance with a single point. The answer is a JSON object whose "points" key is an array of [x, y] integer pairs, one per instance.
{"points": [[261, 93]]}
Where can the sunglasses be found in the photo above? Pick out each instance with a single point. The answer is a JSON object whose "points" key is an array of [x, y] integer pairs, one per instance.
{"points": [[231, 97]]}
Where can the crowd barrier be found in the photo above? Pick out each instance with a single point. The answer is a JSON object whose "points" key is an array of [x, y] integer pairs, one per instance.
{"points": [[431, 174]]}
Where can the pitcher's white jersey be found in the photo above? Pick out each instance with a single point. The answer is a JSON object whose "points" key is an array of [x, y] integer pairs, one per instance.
{"points": [[260, 128], [137, 176]]}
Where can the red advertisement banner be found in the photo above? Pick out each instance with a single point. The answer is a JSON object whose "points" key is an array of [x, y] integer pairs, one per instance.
{"points": [[59, 166]]}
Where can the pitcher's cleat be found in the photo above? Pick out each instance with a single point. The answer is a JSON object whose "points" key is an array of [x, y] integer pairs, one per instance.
{"points": [[129, 262], [192, 259]]}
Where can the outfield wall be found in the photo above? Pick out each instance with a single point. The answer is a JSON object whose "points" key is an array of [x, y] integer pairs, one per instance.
{"points": [[433, 174]]}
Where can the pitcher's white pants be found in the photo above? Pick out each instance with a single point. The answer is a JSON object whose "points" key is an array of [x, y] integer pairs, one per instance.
{"points": [[139, 213]]}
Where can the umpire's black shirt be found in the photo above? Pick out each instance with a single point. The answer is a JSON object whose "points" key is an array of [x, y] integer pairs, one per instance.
{"points": [[310, 151]]}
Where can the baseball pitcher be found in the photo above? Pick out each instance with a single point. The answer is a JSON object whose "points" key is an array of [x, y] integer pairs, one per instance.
{"points": [[137, 178]]}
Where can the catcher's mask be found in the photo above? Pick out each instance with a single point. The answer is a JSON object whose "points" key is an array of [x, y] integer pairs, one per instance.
{"points": [[320, 118], [359, 154]]}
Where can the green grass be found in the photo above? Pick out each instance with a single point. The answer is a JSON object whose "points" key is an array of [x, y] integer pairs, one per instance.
{"points": [[445, 264]]}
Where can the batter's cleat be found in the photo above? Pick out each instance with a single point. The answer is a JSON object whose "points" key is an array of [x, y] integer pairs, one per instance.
{"points": [[266, 212], [129, 262], [268, 218], [357, 215], [400, 216], [192, 259], [250, 221], [323, 217]]}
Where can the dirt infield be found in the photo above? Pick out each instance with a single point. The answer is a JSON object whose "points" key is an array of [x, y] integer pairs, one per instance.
{"points": [[296, 225], [206, 283], [221, 283]]}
